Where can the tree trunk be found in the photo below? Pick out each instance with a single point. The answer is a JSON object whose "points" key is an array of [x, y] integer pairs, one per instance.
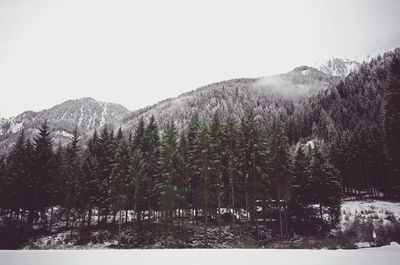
{"points": [[51, 218], [320, 212], [98, 216], [67, 221], [90, 217]]}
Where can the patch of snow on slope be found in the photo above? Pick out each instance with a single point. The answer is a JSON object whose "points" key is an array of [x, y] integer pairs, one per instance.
{"points": [[305, 72], [63, 133], [103, 119], [16, 127], [81, 116], [91, 119]]}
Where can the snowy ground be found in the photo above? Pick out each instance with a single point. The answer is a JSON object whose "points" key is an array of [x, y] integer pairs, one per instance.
{"points": [[372, 256], [380, 212]]}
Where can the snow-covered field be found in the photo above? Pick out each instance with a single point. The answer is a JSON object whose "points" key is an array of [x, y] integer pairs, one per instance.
{"points": [[379, 212], [371, 256], [374, 209]]}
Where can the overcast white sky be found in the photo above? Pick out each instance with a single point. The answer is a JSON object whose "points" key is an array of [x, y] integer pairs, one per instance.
{"points": [[137, 53]]}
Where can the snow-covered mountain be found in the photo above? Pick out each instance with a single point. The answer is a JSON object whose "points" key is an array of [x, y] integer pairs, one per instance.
{"points": [[86, 113], [338, 67], [266, 95]]}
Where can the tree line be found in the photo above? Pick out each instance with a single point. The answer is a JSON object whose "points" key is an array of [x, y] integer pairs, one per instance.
{"points": [[215, 171]]}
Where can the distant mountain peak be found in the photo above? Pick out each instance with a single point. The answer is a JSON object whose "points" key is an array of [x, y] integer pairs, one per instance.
{"points": [[338, 67], [86, 113]]}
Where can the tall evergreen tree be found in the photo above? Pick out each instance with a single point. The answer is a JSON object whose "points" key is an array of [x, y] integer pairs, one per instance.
{"points": [[169, 165], [192, 135], [279, 170], [43, 177], [392, 127], [230, 162], [90, 184], [325, 185], [216, 184], [300, 195], [16, 182], [151, 156], [105, 159], [120, 178], [137, 184], [72, 173], [203, 166], [252, 147]]}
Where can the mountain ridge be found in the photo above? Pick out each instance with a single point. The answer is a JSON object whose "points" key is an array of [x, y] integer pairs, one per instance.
{"points": [[229, 97]]}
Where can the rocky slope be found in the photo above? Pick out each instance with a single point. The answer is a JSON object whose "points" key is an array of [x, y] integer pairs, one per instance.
{"points": [[85, 113]]}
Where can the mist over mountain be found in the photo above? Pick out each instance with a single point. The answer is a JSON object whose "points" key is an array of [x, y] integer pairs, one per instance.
{"points": [[268, 96]]}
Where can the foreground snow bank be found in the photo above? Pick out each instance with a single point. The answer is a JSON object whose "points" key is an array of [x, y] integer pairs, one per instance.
{"points": [[384, 255]]}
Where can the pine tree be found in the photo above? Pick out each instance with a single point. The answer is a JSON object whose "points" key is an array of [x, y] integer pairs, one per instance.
{"points": [[184, 185], [299, 199], [72, 173], [151, 156], [59, 172], [230, 162], [325, 184], [137, 183], [216, 164], [43, 176], [138, 136], [16, 182], [279, 170], [170, 180], [105, 159], [90, 183], [392, 127], [120, 179], [253, 169], [203, 166], [193, 172]]}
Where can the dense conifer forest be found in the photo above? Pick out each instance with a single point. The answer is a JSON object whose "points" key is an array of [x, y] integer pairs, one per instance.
{"points": [[287, 176]]}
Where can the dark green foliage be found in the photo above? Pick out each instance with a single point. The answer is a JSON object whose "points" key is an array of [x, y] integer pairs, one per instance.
{"points": [[392, 126], [120, 176], [300, 196], [325, 185], [136, 184], [44, 179]]}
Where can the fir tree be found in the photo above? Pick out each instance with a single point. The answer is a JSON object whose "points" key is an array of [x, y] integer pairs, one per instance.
{"points": [[392, 127], [193, 156], [72, 173], [137, 183], [43, 177], [300, 195], [169, 166], [203, 166], [151, 156], [216, 164], [230, 162], [120, 178], [324, 185], [90, 184], [279, 169]]}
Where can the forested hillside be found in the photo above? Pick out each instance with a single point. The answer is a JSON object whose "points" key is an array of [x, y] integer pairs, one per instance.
{"points": [[236, 155]]}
